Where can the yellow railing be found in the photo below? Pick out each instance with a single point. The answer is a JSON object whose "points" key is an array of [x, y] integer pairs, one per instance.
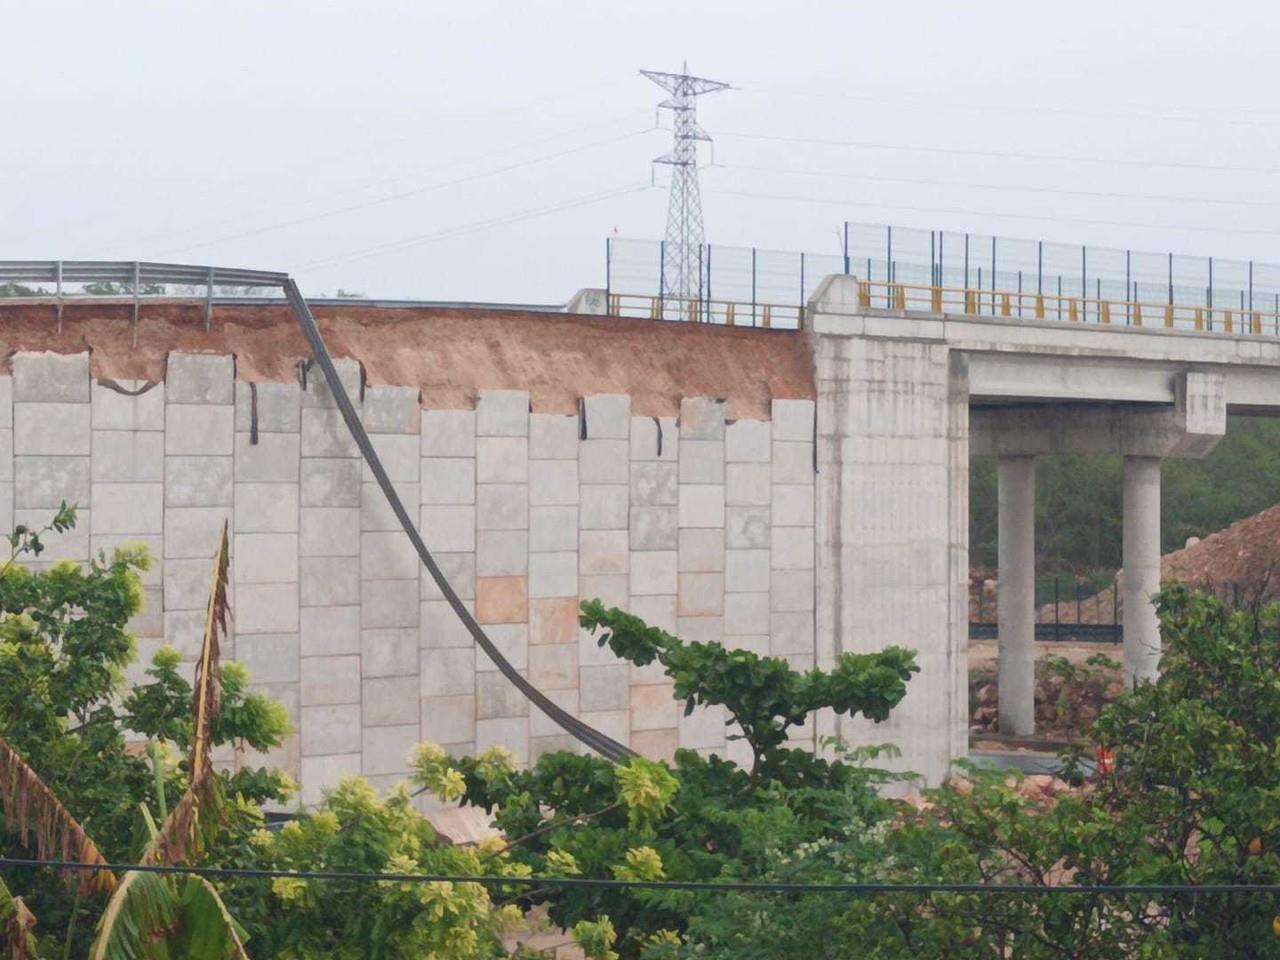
{"points": [[731, 313], [887, 295]]}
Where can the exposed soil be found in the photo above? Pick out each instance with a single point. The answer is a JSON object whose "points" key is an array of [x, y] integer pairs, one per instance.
{"points": [[449, 354]]}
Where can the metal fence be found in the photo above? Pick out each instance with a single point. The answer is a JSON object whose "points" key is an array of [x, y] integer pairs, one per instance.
{"points": [[985, 274]]}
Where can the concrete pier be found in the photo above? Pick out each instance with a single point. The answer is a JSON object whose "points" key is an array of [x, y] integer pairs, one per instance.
{"points": [[1141, 557], [1016, 611]]}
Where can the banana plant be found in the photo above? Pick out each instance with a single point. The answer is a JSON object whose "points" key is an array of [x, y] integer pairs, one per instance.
{"points": [[149, 916]]}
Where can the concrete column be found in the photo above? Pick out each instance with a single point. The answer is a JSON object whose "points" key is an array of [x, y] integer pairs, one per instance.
{"points": [[1141, 557], [1016, 612]]}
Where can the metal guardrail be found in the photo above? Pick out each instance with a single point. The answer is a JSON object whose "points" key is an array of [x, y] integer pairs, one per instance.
{"points": [[730, 313]]}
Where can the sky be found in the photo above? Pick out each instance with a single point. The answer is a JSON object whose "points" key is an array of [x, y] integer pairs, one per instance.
{"points": [[485, 150]]}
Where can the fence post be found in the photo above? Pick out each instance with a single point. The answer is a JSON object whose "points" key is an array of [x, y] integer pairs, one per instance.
{"points": [[1039, 268], [800, 315], [941, 248], [888, 268], [1127, 274], [608, 270], [700, 281], [966, 262], [753, 286], [662, 279], [708, 283], [1084, 282], [1171, 278], [1250, 286], [846, 246], [932, 259], [993, 275]]}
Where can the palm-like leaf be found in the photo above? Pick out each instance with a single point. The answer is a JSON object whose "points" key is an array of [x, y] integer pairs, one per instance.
{"points": [[155, 917], [17, 927], [41, 819]]}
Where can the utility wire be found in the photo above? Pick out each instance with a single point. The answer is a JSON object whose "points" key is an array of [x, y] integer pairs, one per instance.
{"points": [[705, 886]]}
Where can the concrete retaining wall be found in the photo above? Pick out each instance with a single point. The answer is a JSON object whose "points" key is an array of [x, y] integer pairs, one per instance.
{"points": [[701, 526]]}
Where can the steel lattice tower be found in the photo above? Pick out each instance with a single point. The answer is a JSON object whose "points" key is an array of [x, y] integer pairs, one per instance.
{"points": [[682, 256]]}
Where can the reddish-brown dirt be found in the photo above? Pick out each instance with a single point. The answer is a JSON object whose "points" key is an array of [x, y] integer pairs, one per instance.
{"points": [[448, 353]]}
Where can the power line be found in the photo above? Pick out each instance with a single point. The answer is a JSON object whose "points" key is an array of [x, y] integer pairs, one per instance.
{"points": [[706, 886], [403, 194], [476, 225]]}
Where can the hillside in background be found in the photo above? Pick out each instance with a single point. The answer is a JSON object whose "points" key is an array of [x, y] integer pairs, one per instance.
{"points": [[1078, 500]]}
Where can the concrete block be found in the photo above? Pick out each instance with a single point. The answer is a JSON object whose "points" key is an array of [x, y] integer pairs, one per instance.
{"points": [[448, 719], [330, 631], [276, 406], [496, 696], [502, 600], [502, 506], [792, 633], [390, 652], [700, 629], [608, 416], [502, 553], [6, 455], [612, 723], [553, 666], [553, 528], [654, 438], [702, 461], [654, 528], [746, 613], [265, 558], [603, 506], [704, 728], [329, 532], [654, 707], [792, 548], [107, 543], [553, 574], [6, 403], [193, 531], [330, 680], [701, 418], [449, 529], [388, 701], [700, 594], [440, 626], [793, 419], [747, 528], [701, 551], [267, 608], [184, 631], [385, 750], [609, 589], [511, 640], [197, 482], [702, 505], [274, 458], [654, 484], [656, 611], [328, 482], [199, 429], [324, 434], [330, 729], [757, 643], [540, 725], [509, 732], [321, 774], [653, 572], [269, 657], [603, 552], [792, 505], [502, 460], [149, 620], [51, 429], [557, 743], [553, 436], [459, 569], [746, 571], [127, 508], [388, 603], [186, 584], [388, 555], [793, 590], [399, 455], [604, 688], [553, 620], [656, 744], [47, 377], [390, 409], [6, 507], [46, 482], [266, 507], [748, 441], [747, 484], [448, 433], [792, 462], [502, 413], [447, 671], [603, 461], [553, 482], [448, 480], [376, 513], [317, 393], [328, 581], [122, 455], [113, 410], [199, 378]]}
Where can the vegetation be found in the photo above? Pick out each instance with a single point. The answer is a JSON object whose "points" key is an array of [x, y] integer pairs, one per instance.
{"points": [[1078, 500]]}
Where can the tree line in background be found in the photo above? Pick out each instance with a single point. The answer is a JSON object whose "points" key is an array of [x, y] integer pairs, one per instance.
{"points": [[1078, 500]]}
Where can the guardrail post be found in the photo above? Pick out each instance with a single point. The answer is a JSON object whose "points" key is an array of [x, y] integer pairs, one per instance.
{"points": [[208, 302]]}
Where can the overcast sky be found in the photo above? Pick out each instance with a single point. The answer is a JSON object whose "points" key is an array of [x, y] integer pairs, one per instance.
{"points": [[484, 150]]}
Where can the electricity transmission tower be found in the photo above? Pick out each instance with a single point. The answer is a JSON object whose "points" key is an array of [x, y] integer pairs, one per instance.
{"points": [[681, 264]]}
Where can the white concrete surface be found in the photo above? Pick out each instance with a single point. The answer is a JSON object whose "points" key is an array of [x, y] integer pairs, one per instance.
{"points": [[1141, 558], [1016, 610]]}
